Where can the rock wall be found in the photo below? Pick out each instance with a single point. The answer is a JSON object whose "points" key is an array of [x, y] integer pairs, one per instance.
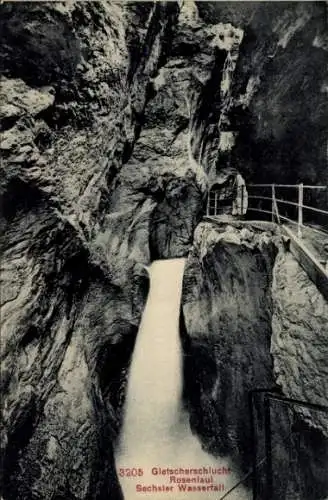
{"points": [[279, 91], [65, 324], [299, 350], [227, 307], [299, 342], [243, 329], [70, 307], [169, 164]]}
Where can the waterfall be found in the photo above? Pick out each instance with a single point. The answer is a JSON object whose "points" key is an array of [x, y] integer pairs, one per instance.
{"points": [[156, 441]]}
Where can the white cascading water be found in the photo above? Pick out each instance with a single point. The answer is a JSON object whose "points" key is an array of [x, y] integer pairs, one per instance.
{"points": [[156, 432]]}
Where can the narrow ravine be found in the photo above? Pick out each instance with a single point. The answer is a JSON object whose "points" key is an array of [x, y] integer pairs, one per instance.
{"points": [[158, 457]]}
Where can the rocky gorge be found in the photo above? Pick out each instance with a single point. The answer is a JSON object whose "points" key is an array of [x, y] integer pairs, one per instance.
{"points": [[114, 117]]}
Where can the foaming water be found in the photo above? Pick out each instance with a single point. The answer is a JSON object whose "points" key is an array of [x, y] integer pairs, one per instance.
{"points": [[156, 440]]}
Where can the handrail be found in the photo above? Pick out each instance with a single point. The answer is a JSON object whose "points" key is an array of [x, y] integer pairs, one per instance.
{"points": [[286, 202], [270, 213], [311, 258], [306, 186], [214, 202], [299, 204], [315, 209], [271, 394]]}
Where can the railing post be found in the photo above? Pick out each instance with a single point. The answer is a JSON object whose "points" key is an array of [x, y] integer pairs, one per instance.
{"points": [[268, 447], [274, 208], [300, 210], [208, 203], [253, 443], [216, 194]]}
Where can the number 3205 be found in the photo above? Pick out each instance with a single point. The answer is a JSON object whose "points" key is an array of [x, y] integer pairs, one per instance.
{"points": [[128, 472]]}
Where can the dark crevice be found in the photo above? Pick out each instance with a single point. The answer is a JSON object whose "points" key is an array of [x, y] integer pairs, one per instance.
{"points": [[19, 197]]}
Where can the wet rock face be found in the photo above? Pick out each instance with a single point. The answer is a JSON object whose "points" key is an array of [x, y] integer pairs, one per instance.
{"points": [[66, 323], [299, 351], [175, 217], [68, 314], [227, 311], [174, 151], [299, 342]]}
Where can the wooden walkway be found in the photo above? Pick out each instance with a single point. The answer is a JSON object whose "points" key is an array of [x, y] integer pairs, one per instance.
{"points": [[312, 264]]}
